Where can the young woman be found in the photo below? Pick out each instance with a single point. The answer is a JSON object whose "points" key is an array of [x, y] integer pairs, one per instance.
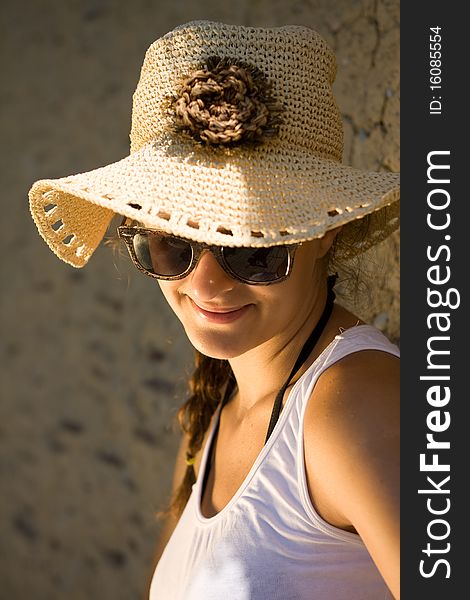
{"points": [[235, 199]]}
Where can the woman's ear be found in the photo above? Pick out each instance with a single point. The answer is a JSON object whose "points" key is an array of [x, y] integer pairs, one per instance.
{"points": [[327, 240]]}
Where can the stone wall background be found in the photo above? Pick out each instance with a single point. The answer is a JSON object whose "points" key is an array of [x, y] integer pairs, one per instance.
{"points": [[93, 363]]}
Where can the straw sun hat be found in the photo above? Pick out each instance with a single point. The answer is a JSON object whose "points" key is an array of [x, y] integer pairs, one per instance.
{"points": [[236, 140]]}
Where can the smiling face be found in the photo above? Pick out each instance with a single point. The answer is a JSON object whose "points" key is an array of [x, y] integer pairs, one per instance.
{"points": [[224, 318]]}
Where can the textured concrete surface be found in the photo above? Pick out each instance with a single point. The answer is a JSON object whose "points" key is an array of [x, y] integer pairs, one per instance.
{"points": [[93, 363]]}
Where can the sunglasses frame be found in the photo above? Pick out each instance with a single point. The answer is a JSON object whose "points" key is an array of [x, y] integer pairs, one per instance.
{"points": [[127, 233]]}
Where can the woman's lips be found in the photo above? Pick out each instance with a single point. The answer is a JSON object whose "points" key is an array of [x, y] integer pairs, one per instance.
{"points": [[219, 315]]}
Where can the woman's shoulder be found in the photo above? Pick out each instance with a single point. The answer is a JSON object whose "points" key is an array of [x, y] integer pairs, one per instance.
{"points": [[360, 375], [351, 434], [358, 390]]}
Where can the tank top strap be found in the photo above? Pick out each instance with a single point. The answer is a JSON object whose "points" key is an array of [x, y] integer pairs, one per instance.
{"points": [[357, 339]]}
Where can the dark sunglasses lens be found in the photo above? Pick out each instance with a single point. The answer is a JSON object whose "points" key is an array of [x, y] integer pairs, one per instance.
{"points": [[259, 265], [162, 255]]}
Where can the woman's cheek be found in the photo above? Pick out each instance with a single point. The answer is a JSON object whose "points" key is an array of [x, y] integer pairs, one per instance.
{"points": [[170, 293]]}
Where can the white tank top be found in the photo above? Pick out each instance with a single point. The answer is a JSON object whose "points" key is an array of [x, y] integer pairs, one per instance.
{"points": [[268, 542]]}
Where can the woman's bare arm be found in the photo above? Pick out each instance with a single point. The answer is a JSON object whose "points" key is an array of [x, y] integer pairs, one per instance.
{"points": [[352, 454]]}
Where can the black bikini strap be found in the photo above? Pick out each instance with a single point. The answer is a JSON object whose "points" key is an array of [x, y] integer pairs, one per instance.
{"points": [[304, 353]]}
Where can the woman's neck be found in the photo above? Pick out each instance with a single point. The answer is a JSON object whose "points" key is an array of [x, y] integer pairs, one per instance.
{"points": [[262, 371]]}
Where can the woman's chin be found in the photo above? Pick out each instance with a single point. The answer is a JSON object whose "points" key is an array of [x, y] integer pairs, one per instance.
{"points": [[215, 346]]}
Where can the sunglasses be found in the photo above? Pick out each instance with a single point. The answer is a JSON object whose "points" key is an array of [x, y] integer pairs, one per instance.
{"points": [[165, 256]]}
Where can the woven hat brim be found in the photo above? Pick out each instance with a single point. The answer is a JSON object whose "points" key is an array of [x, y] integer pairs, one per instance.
{"points": [[224, 197]]}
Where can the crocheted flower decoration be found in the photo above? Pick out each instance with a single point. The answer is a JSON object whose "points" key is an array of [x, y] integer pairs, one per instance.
{"points": [[227, 102]]}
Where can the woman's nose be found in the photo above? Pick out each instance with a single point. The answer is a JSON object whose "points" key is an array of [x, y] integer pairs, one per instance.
{"points": [[208, 279]]}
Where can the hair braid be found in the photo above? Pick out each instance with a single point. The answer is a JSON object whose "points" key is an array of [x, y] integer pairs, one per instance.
{"points": [[206, 385]]}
